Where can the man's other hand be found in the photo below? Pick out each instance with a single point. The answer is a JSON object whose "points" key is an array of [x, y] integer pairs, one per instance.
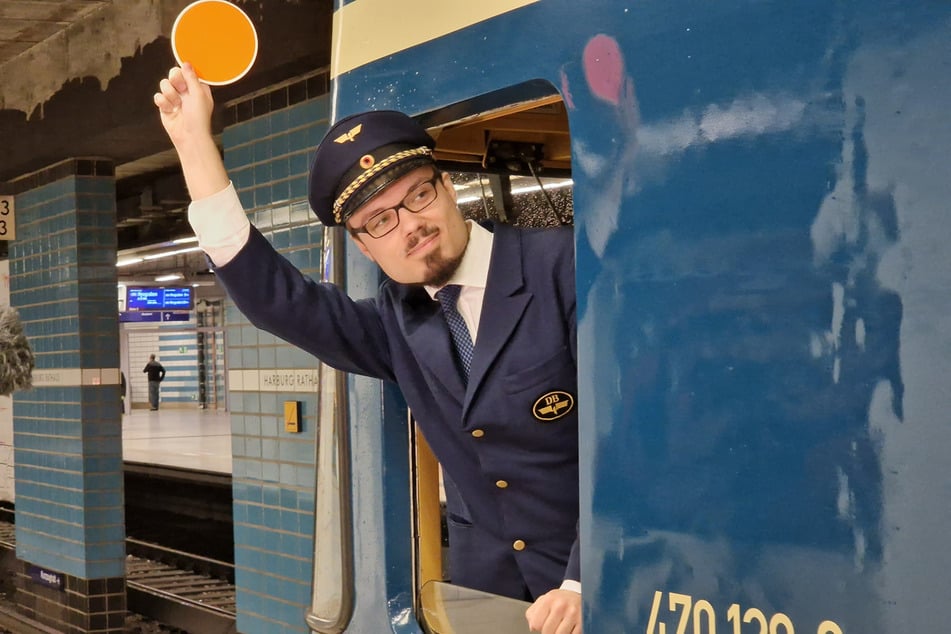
{"points": [[555, 612]]}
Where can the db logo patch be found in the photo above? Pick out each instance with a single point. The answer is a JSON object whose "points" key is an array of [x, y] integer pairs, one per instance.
{"points": [[553, 406]]}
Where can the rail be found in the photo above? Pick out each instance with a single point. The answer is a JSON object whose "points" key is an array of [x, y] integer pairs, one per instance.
{"points": [[178, 589]]}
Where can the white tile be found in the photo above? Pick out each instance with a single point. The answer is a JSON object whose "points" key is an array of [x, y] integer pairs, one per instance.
{"points": [[251, 380], [236, 380]]}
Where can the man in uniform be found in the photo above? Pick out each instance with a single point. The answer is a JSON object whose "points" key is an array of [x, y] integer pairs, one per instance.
{"points": [[477, 328]]}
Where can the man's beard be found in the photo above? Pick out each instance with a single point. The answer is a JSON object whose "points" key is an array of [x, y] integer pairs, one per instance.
{"points": [[439, 268]]}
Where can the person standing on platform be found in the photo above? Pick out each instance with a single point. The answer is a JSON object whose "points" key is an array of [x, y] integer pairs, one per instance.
{"points": [[156, 375], [476, 327], [122, 390]]}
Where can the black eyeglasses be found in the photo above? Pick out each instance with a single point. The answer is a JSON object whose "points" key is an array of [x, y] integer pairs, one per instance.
{"points": [[418, 198]]}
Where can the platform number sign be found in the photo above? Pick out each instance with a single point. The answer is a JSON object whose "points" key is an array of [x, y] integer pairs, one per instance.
{"points": [[7, 219]]}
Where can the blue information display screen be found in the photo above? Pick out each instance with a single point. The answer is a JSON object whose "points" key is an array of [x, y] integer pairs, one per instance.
{"points": [[159, 298]]}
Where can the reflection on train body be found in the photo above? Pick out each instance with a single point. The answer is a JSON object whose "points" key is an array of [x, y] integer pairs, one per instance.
{"points": [[761, 270]]}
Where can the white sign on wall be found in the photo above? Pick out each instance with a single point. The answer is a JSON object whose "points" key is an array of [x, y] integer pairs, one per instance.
{"points": [[8, 224]]}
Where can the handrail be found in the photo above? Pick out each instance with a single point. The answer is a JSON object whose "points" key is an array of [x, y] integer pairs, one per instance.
{"points": [[332, 581]]}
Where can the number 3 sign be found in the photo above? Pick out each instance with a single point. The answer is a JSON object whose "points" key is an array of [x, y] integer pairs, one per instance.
{"points": [[7, 219]]}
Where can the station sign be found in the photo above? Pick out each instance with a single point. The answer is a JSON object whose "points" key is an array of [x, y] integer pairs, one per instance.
{"points": [[137, 316], [159, 298], [47, 578]]}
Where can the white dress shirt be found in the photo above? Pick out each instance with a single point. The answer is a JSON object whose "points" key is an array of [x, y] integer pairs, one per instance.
{"points": [[472, 275], [220, 224]]}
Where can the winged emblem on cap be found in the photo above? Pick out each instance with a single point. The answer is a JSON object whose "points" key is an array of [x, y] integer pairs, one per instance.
{"points": [[349, 135]]}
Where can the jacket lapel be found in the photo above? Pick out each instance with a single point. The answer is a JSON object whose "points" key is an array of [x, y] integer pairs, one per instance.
{"points": [[502, 307], [428, 336]]}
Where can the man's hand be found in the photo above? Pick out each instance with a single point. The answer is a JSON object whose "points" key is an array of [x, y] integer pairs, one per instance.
{"points": [[185, 105], [555, 612]]}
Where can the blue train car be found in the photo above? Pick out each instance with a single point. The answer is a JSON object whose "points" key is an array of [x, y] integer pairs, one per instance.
{"points": [[760, 207]]}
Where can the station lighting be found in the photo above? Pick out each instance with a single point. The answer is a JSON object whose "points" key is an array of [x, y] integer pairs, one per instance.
{"points": [[162, 254], [548, 186], [561, 184], [165, 254]]}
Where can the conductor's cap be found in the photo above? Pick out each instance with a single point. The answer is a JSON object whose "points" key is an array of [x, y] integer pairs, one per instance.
{"points": [[359, 156]]}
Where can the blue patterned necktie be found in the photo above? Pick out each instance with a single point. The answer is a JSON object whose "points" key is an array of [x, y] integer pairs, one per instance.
{"points": [[448, 296]]}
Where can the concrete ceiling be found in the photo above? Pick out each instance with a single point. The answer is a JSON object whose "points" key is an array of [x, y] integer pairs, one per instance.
{"points": [[25, 23], [77, 77]]}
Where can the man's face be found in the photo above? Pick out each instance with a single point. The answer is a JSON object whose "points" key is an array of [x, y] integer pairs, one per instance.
{"points": [[427, 246]]}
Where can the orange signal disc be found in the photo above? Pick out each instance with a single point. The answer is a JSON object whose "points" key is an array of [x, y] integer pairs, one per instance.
{"points": [[217, 38]]}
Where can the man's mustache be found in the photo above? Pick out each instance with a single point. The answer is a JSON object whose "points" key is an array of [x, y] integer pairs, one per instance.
{"points": [[423, 233]]}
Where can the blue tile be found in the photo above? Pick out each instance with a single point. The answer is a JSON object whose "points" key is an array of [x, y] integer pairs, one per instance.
{"points": [[233, 355], [262, 173], [259, 127], [267, 356], [306, 502], [290, 521], [305, 476], [105, 569], [279, 120], [280, 191], [270, 426], [252, 469], [112, 550], [271, 495], [253, 425], [270, 449], [254, 513], [270, 472], [288, 498], [249, 358], [252, 447], [288, 473], [235, 134]]}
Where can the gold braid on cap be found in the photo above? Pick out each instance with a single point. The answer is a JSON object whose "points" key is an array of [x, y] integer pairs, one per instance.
{"points": [[370, 173]]}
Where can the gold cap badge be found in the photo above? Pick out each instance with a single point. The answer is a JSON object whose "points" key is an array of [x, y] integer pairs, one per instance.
{"points": [[349, 135]]}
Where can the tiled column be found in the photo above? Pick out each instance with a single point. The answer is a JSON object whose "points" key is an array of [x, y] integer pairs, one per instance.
{"points": [[267, 148], [67, 430]]}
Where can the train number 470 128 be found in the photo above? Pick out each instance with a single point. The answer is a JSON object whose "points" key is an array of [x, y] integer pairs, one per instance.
{"points": [[687, 616]]}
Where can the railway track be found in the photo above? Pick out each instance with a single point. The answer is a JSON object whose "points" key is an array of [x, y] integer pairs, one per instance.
{"points": [[178, 589]]}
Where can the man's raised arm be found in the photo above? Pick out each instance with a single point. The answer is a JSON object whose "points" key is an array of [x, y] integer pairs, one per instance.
{"points": [[185, 105]]}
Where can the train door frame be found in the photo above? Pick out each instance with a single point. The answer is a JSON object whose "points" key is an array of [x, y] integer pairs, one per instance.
{"points": [[437, 606]]}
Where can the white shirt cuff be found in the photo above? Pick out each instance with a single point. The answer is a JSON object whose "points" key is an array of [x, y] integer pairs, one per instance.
{"points": [[571, 584], [220, 224]]}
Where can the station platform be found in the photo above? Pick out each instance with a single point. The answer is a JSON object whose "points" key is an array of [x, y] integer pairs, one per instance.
{"points": [[183, 439]]}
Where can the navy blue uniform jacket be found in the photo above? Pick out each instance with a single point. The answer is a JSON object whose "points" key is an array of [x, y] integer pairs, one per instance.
{"points": [[486, 435]]}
